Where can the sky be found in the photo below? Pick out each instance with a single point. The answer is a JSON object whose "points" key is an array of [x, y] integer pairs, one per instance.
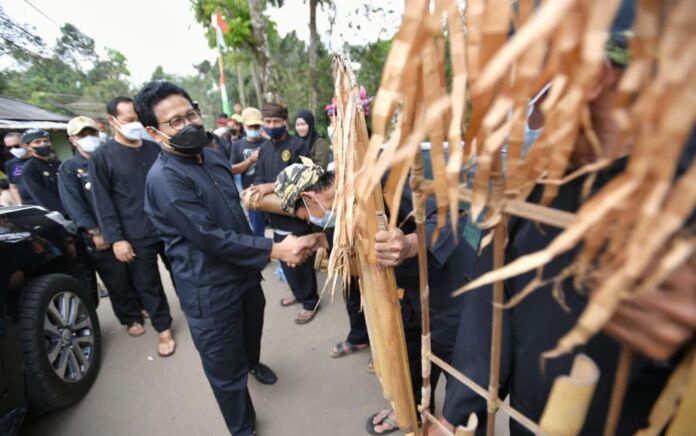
{"points": [[164, 32]]}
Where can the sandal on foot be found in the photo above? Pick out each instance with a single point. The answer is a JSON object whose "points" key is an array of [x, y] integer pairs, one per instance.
{"points": [[166, 346], [288, 301], [383, 420], [345, 348], [136, 329], [305, 316], [371, 366]]}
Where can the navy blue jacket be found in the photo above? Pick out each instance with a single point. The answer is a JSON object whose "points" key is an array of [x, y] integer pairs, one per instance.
{"points": [[75, 189], [274, 158], [534, 326], [118, 177], [194, 205]]}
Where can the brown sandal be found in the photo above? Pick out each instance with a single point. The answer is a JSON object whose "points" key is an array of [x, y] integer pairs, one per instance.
{"points": [[305, 316], [166, 340], [136, 329]]}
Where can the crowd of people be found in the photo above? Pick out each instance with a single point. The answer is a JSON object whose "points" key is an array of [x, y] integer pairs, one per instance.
{"points": [[163, 188]]}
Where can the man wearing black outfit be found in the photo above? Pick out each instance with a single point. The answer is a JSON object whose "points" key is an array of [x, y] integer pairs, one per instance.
{"points": [[118, 170], [192, 200], [276, 154], [13, 168], [75, 188], [40, 174]]}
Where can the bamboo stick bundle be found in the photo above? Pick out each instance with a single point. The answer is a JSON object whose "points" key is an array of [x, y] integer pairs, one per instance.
{"points": [[268, 203], [354, 237]]}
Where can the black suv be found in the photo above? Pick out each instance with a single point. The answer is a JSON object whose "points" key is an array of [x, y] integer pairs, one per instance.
{"points": [[50, 344]]}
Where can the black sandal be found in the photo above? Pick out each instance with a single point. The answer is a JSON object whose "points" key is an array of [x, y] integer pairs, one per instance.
{"points": [[370, 424]]}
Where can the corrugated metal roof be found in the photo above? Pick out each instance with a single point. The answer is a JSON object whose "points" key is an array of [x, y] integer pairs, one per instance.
{"points": [[22, 125], [17, 110]]}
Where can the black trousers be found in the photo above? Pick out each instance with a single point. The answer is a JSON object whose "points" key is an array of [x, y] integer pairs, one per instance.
{"points": [[220, 340], [253, 305], [114, 274], [302, 280], [411, 315], [358, 328], [144, 274]]}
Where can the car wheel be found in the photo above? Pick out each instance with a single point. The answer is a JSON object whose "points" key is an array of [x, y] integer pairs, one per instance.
{"points": [[61, 341]]}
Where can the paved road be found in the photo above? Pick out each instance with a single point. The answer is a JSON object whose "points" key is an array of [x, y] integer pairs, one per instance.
{"points": [[138, 393]]}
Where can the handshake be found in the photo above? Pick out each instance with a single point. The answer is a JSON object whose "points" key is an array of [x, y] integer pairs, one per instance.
{"points": [[294, 250]]}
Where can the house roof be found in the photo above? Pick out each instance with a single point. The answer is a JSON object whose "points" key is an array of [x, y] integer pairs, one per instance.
{"points": [[12, 109]]}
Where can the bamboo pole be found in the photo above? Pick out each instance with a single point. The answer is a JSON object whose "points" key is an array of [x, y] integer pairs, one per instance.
{"points": [[417, 175], [618, 392], [497, 330], [378, 284]]}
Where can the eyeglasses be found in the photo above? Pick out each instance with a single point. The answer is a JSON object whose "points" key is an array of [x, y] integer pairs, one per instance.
{"points": [[178, 122]]}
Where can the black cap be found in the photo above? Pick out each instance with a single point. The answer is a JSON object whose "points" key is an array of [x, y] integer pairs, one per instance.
{"points": [[33, 134]]}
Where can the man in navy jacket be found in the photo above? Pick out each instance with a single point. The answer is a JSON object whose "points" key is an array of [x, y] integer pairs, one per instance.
{"points": [[216, 261]]}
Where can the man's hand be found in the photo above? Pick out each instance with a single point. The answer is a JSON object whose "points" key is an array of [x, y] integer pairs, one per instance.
{"points": [[315, 240], [393, 247], [292, 250], [258, 191], [254, 156], [124, 251], [658, 323], [99, 243]]}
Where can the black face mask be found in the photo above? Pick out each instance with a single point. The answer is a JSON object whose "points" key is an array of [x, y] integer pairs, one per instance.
{"points": [[190, 140], [234, 132], [42, 151]]}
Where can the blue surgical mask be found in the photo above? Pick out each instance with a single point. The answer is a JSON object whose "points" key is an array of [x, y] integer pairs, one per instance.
{"points": [[252, 133], [325, 222], [275, 132]]}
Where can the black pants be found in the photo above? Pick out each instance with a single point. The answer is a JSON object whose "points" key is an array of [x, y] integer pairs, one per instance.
{"points": [[144, 274], [220, 340], [253, 305], [82, 249], [411, 315], [302, 280], [114, 274], [358, 328]]}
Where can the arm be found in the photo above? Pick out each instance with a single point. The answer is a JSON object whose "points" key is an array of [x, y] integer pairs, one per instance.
{"points": [[261, 176], [15, 194], [107, 215], [190, 217], [240, 165], [39, 193], [69, 189]]}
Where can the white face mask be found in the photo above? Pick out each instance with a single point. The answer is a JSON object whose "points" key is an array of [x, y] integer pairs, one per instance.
{"points": [[103, 137], [89, 143], [18, 152], [133, 131]]}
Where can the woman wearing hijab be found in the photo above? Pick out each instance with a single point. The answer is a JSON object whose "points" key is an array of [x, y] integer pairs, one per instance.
{"points": [[317, 146]]}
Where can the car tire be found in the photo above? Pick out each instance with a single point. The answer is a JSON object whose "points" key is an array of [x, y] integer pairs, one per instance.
{"points": [[61, 341]]}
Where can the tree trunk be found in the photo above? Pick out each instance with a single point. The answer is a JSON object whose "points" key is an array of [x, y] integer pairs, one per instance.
{"points": [[240, 84], [313, 46], [257, 84], [261, 49]]}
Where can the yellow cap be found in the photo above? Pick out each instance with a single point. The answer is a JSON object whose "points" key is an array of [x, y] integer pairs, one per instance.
{"points": [[252, 117], [78, 124]]}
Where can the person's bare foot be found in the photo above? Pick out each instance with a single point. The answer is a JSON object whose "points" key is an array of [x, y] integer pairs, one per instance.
{"points": [[136, 329], [166, 344]]}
